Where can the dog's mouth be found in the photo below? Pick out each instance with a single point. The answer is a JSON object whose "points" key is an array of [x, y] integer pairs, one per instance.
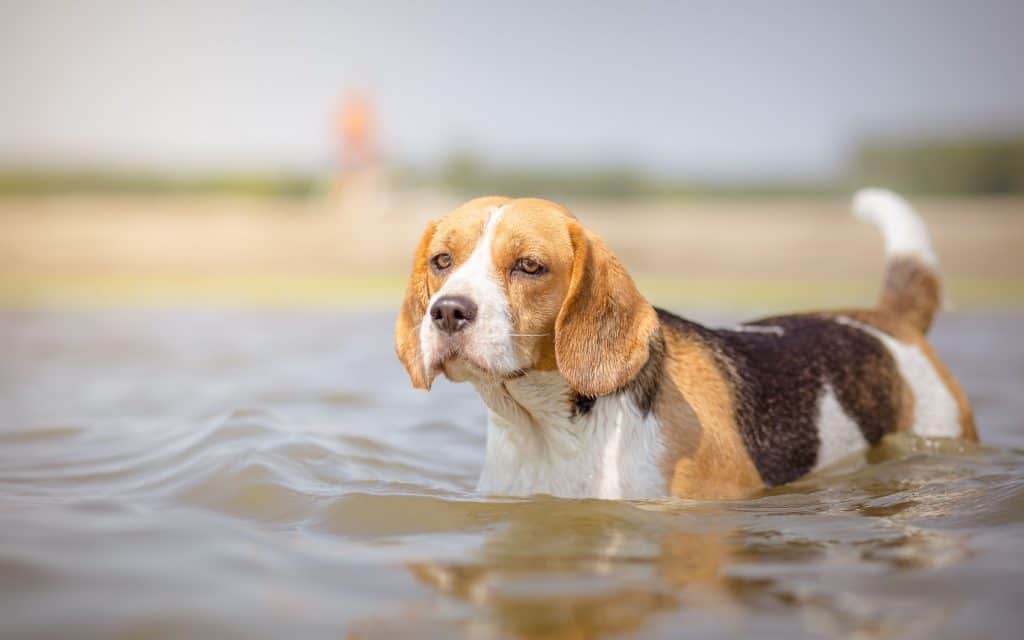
{"points": [[448, 351], [460, 364]]}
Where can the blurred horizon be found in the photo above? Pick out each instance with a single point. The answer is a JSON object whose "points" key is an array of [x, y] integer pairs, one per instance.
{"points": [[965, 166], [268, 154], [726, 96]]}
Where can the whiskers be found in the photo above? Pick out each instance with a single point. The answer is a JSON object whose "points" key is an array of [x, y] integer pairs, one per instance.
{"points": [[489, 347]]}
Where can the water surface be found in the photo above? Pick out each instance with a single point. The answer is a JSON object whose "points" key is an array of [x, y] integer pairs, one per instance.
{"points": [[257, 474]]}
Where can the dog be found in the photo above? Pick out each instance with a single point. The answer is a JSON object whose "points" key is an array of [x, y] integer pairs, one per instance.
{"points": [[594, 393]]}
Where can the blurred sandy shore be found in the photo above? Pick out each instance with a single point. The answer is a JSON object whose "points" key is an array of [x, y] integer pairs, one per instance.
{"points": [[356, 250]]}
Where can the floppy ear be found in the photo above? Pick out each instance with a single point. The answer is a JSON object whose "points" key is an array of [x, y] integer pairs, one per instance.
{"points": [[603, 330], [407, 327]]}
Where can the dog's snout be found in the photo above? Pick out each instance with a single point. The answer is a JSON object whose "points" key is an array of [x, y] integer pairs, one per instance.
{"points": [[452, 314]]}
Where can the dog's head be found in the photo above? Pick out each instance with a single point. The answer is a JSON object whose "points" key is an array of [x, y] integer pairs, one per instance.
{"points": [[500, 287]]}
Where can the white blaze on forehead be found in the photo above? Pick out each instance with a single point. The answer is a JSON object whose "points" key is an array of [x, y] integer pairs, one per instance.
{"points": [[479, 267], [487, 341]]}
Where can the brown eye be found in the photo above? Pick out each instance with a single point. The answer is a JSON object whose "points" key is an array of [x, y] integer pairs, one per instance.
{"points": [[441, 261], [528, 266]]}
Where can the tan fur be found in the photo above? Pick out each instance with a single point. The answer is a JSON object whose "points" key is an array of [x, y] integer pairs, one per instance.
{"points": [[554, 316], [586, 318], [539, 229], [604, 328], [407, 326], [911, 292], [705, 456], [456, 233]]}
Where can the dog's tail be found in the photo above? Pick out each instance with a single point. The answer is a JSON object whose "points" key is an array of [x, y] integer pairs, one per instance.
{"points": [[912, 288]]}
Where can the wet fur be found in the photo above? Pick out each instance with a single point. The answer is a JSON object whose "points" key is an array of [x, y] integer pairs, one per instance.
{"points": [[778, 378], [593, 392]]}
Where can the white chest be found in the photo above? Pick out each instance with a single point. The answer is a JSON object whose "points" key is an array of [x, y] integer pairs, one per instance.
{"points": [[535, 445]]}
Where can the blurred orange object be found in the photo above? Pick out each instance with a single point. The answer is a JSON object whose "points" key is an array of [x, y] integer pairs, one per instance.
{"points": [[354, 130]]}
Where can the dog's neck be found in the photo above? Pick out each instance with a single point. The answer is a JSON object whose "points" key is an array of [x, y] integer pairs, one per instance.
{"points": [[544, 438]]}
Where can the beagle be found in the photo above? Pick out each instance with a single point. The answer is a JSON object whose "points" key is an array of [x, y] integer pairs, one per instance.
{"points": [[594, 393]]}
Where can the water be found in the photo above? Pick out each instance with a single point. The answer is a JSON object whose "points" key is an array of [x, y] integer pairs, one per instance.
{"points": [[256, 474]]}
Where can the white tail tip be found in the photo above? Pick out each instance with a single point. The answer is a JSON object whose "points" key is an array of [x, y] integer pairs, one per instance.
{"points": [[904, 231]]}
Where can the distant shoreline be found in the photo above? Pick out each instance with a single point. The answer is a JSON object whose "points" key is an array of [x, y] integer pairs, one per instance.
{"points": [[355, 250], [379, 292]]}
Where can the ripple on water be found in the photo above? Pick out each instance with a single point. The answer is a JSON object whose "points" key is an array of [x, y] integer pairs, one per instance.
{"points": [[526, 566], [319, 513]]}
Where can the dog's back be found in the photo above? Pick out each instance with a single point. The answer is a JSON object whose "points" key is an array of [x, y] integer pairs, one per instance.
{"points": [[809, 389]]}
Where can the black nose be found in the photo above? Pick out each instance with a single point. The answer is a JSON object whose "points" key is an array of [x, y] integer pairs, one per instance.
{"points": [[453, 313]]}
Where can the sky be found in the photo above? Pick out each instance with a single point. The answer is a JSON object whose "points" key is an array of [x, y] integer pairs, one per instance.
{"points": [[719, 90]]}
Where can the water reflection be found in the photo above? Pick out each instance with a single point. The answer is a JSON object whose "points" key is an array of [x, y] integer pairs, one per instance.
{"points": [[338, 503], [582, 569], [827, 556]]}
